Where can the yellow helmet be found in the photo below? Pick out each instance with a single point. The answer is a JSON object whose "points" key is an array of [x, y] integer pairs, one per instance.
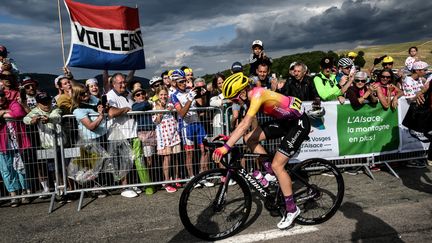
{"points": [[187, 70], [352, 54], [234, 84], [387, 59]]}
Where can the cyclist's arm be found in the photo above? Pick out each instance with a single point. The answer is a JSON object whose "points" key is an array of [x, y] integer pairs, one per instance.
{"points": [[240, 130]]}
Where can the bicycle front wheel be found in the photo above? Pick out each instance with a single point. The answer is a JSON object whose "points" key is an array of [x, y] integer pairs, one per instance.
{"points": [[213, 213], [318, 190]]}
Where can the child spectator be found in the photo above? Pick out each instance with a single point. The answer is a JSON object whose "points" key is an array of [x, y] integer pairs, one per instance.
{"points": [[412, 51], [13, 141], [168, 138], [48, 121], [258, 56], [7, 64]]}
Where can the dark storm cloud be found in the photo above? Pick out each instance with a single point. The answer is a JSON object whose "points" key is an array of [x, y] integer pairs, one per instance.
{"points": [[151, 12], [355, 22]]}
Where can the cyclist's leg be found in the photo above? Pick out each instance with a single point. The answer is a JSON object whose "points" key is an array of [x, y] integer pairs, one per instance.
{"points": [[278, 166], [295, 133], [253, 138]]}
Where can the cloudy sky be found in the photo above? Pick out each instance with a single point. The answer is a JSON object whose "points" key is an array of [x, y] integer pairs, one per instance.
{"points": [[210, 35]]}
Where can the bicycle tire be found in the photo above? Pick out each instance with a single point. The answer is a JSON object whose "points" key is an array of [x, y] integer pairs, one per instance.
{"points": [[321, 203], [197, 211]]}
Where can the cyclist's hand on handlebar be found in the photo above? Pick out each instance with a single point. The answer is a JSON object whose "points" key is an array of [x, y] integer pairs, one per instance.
{"points": [[220, 152], [221, 137]]}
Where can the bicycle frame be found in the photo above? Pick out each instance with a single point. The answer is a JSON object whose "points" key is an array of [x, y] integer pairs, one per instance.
{"points": [[253, 183]]}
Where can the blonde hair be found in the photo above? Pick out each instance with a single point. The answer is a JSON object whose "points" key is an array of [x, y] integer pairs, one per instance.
{"points": [[77, 91], [158, 90]]}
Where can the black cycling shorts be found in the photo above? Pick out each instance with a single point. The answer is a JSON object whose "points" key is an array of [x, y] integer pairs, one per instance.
{"points": [[293, 133]]}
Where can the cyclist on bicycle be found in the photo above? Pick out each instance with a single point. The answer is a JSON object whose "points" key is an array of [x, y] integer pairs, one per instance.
{"points": [[290, 123]]}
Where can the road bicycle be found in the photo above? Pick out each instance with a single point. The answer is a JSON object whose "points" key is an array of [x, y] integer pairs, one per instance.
{"points": [[214, 213]]}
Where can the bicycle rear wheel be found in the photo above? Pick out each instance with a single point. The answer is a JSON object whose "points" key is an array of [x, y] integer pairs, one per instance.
{"points": [[213, 213], [319, 201]]}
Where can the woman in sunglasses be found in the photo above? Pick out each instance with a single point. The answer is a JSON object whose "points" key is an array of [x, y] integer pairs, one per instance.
{"points": [[359, 93], [388, 93]]}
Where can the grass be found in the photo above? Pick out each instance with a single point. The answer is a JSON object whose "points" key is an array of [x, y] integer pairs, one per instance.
{"points": [[398, 51]]}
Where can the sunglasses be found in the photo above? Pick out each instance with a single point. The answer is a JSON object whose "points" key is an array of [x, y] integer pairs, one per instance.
{"points": [[156, 85], [29, 87], [360, 80], [181, 81], [348, 67], [384, 76], [236, 99], [138, 94]]}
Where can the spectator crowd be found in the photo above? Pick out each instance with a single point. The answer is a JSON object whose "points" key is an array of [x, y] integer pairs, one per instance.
{"points": [[120, 127]]}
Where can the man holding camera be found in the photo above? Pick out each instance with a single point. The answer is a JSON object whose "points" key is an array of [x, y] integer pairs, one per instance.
{"points": [[191, 127]]}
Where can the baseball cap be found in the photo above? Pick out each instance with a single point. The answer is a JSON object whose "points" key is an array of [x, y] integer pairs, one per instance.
{"points": [[236, 67], [352, 54], [91, 81], [257, 43], [326, 62], [42, 97], [27, 80], [419, 65], [57, 79]]}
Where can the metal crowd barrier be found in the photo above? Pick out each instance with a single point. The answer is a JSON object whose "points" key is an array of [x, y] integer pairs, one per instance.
{"points": [[73, 165]]}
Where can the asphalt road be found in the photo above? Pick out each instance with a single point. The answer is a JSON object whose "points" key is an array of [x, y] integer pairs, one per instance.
{"points": [[385, 210]]}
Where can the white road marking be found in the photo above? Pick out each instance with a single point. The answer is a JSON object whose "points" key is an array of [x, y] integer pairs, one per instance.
{"points": [[269, 234]]}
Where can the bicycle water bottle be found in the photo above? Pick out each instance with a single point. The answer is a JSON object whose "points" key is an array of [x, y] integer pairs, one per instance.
{"points": [[259, 176]]}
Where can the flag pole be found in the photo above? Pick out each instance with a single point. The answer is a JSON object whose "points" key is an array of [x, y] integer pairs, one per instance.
{"points": [[61, 32]]}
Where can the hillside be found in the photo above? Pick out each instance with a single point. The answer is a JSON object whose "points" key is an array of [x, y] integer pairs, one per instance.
{"points": [[398, 51]]}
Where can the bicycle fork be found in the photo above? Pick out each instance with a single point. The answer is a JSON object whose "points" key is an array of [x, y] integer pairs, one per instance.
{"points": [[221, 193]]}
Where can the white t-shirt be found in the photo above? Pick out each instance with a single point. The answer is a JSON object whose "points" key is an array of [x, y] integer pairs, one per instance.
{"points": [[409, 62], [411, 87], [121, 127]]}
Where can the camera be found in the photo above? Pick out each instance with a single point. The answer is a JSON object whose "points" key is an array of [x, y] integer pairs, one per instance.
{"points": [[104, 101], [22, 93]]}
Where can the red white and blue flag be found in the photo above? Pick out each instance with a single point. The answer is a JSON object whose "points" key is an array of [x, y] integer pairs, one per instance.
{"points": [[105, 37]]}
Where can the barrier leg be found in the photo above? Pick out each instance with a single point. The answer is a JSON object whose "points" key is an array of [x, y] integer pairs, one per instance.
{"points": [[51, 203], [369, 172], [80, 201], [391, 170]]}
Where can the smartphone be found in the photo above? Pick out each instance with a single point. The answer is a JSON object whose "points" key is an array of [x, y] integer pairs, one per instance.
{"points": [[23, 94], [104, 101], [273, 75]]}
